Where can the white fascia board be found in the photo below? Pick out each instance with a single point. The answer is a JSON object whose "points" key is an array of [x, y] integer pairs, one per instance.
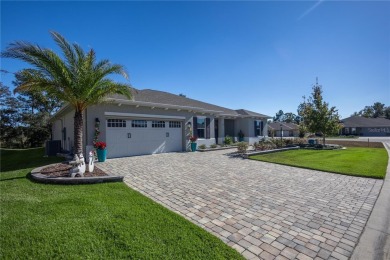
{"points": [[160, 105], [65, 108], [143, 115]]}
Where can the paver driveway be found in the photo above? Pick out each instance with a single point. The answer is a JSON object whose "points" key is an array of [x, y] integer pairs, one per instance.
{"points": [[262, 210]]}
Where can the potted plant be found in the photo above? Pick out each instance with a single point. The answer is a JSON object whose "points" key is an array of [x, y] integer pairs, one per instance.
{"points": [[101, 151], [240, 136], [193, 143]]}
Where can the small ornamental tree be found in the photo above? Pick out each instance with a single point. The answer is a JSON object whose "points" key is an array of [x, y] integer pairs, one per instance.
{"points": [[316, 115]]}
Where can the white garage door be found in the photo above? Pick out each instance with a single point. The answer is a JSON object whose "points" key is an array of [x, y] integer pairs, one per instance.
{"points": [[138, 137]]}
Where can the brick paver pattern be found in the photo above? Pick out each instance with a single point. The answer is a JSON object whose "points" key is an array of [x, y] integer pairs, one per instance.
{"points": [[263, 210]]}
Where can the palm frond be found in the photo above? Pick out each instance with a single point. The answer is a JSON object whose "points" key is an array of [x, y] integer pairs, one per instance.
{"points": [[76, 78], [66, 48]]}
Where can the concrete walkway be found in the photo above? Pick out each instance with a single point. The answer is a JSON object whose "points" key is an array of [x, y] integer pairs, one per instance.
{"points": [[375, 241], [263, 210]]}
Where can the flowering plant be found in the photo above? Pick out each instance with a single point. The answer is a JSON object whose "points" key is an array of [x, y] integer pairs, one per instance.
{"points": [[193, 139], [100, 145]]}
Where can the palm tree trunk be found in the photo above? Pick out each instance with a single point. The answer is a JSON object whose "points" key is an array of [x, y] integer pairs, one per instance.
{"points": [[78, 132]]}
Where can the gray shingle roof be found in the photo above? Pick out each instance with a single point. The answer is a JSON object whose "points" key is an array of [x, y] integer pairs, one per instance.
{"points": [[285, 126], [161, 97], [165, 98], [360, 121], [250, 113]]}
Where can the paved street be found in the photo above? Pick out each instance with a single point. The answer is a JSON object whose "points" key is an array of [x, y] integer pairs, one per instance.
{"points": [[263, 210]]}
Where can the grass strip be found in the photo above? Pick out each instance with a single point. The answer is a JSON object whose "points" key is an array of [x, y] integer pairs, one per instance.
{"points": [[355, 161]]}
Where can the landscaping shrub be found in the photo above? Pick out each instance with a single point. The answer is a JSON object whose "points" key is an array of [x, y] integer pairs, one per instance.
{"points": [[228, 140], [242, 147], [264, 145], [299, 141], [279, 143], [202, 146], [288, 142], [213, 146]]}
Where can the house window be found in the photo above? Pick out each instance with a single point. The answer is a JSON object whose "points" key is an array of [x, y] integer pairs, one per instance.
{"points": [[158, 124], [258, 128], [139, 123], [116, 123], [353, 130], [346, 131], [174, 124], [201, 127]]}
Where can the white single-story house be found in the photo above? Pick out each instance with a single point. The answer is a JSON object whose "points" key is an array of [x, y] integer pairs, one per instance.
{"points": [[157, 122], [282, 129]]}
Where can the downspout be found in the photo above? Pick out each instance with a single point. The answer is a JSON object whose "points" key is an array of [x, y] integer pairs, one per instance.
{"points": [[62, 134], [86, 130]]}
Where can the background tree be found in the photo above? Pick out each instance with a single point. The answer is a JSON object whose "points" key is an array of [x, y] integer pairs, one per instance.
{"points": [[291, 118], [75, 77], [378, 109], [286, 117], [387, 112], [367, 111], [12, 130], [278, 116], [37, 108], [317, 116]]}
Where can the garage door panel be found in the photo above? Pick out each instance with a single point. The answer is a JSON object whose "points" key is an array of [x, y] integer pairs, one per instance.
{"points": [[142, 140]]}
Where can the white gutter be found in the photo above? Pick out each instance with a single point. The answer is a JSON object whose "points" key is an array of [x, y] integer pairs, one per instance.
{"points": [[143, 115], [161, 105]]}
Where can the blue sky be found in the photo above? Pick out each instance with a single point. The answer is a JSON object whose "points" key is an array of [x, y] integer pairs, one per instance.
{"points": [[262, 56]]}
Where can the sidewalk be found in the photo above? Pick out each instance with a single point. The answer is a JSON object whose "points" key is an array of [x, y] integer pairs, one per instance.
{"points": [[375, 240]]}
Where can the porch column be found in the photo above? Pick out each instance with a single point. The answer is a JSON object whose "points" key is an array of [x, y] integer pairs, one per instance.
{"points": [[221, 130], [265, 127]]}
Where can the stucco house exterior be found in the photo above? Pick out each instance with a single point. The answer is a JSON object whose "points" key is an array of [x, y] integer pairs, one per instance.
{"points": [[157, 122], [288, 129], [363, 126]]}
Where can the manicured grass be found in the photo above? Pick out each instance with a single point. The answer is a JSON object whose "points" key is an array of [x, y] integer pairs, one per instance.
{"points": [[101, 221], [363, 162], [16, 159]]}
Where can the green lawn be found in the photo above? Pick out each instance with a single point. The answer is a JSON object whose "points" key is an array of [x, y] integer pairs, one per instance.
{"points": [[363, 162], [101, 221]]}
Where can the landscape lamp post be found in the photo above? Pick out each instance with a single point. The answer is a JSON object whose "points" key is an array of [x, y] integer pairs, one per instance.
{"points": [[281, 133]]}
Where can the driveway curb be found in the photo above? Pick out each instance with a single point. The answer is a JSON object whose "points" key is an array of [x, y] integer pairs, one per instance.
{"points": [[375, 240]]}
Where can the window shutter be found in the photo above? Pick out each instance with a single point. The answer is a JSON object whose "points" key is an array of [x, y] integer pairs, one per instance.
{"points": [[254, 133], [195, 126], [207, 128], [261, 127]]}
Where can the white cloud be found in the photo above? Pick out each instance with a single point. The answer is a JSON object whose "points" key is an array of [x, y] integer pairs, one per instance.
{"points": [[308, 11]]}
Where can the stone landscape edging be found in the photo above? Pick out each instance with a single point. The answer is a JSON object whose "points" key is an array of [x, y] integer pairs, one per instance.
{"points": [[246, 155], [36, 175], [216, 149]]}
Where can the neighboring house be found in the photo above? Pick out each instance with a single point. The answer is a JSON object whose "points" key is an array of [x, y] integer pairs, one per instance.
{"points": [[157, 122], [363, 126], [288, 129]]}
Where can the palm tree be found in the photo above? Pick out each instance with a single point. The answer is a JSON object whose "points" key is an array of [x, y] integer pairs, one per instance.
{"points": [[76, 78]]}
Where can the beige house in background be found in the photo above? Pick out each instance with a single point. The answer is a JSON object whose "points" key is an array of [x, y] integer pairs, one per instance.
{"points": [[281, 129], [157, 122]]}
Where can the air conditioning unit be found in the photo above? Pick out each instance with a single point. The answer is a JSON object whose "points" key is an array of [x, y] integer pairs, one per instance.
{"points": [[52, 147]]}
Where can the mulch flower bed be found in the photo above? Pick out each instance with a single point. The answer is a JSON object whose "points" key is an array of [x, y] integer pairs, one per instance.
{"points": [[62, 170]]}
